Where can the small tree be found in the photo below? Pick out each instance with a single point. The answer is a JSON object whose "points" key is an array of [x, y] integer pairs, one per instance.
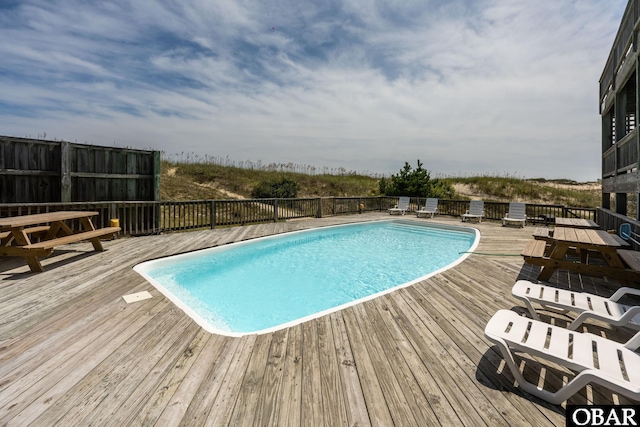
{"points": [[284, 188], [415, 183]]}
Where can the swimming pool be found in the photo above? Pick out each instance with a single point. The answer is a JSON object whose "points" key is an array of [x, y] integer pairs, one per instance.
{"points": [[266, 284]]}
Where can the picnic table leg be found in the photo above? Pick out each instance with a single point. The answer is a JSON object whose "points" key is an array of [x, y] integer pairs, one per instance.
{"points": [[66, 230], [34, 264], [546, 273], [87, 225], [612, 258], [97, 244], [549, 249], [556, 252], [22, 239], [54, 228]]}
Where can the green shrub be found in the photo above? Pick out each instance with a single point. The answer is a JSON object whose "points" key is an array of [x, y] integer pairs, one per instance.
{"points": [[415, 183], [284, 188]]}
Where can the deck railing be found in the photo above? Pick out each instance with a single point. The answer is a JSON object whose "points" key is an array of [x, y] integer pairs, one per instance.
{"points": [[621, 157], [140, 218], [619, 50], [610, 220]]}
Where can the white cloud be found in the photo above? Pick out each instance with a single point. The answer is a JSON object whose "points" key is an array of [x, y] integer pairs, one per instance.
{"points": [[467, 87]]}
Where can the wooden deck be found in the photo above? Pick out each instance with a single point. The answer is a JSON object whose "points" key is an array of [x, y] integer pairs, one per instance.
{"points": [[72, 352]]}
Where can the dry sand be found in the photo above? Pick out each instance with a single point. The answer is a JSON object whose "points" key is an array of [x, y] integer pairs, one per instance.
{"points": [[465, 190]]}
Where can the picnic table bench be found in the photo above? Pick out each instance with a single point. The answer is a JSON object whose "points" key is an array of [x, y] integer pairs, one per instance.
{"points": [[550, 252], [52, 230], [542, 233], [631, 258], [576, 223]]}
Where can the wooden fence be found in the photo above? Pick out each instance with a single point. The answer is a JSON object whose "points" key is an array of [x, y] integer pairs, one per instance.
{"points": [[140, 218], [35, 170]]}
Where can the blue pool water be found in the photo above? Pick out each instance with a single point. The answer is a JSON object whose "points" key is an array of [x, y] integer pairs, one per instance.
{"points": [[269, 283]]}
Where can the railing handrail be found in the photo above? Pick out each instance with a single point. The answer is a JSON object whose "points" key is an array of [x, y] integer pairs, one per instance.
{"points": [[610, 220], [151, 217]]}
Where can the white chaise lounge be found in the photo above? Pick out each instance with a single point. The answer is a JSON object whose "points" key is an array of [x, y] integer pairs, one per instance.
{"points": [[596, 359], [476, 210], [401, 208], [430, 208], [588, 306], [516, 215]]}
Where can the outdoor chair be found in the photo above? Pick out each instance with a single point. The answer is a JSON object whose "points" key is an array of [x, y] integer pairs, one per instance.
{"points": [[401, 208], [476, 210], [588, 306], [517, 214], [430, 208], [596, 359]]}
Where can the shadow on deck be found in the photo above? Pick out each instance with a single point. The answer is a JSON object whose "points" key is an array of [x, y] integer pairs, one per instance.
{"points": [[72, 352]]}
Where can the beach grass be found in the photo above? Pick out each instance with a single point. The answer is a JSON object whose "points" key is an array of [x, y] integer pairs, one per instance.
{"points": [[216, 179]]}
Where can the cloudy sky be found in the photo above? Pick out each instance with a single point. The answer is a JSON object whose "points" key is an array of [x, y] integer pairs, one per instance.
{"points": [[506, 87]]}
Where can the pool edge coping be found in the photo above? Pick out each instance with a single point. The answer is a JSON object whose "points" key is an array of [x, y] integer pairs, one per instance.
{"points": [[139, 268]]}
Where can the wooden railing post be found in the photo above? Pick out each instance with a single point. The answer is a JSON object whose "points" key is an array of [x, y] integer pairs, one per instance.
{"points": [[275, 210], [212, 214], [65, 172], [156, 176]]}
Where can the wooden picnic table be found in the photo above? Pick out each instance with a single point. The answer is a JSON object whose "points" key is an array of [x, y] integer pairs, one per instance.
{"points": [[576, 223], [550, 253], [51, 229]]}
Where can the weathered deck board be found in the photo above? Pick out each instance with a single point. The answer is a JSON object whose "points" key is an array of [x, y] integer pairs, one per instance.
{"points": [[311, 410], [379, 411], [332, 389], [73, 352], [246, 405], [417, 401], [291, 388], [269, 401], [396, 400], [430, 386], [468, 344], [176, 388], [433, 352], [220, 407], [50, 365], [355, 404]]}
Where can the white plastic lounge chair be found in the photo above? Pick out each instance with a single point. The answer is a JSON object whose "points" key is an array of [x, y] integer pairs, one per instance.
{"points": [[401, 207], [517, 214], [596, 359], [430, 208], [476, 210], [588, 306]]}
